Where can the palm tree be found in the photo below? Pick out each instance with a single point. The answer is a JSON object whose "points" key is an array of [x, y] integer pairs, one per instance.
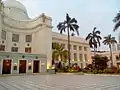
{"points": [[59, 52], [54, 47], [116, 20], [109, 41], [70, 24], [94, 39]]}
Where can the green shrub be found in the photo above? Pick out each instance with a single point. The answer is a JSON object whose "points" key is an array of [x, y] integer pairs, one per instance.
{"points": [[85, 70], [108, 71], [100, 71], [118, 71], [95, 71]]}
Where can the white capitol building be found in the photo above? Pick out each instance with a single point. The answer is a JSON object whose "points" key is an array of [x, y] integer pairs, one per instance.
{"points": [[26, 44]]}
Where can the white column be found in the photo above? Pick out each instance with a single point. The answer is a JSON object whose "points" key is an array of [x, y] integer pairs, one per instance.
{"points": [[26, 66], [32, 62], [39, 66], [9, 40], [18, 66], [78, 53], [32, 65], [22, 43], [11, 66]]}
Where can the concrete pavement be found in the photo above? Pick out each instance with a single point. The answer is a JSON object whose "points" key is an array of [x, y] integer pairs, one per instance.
{"points": [[60, 82]]}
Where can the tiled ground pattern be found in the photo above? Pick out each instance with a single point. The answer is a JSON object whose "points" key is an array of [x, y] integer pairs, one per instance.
{"points": [[60, 82]]}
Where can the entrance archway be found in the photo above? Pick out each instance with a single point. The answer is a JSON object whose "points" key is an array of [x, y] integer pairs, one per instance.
{"points": [[6, 67], [22, 66], [36, 66]]}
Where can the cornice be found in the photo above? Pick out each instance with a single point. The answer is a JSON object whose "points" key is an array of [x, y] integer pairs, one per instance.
{"points": [[23, 25], [28, 29], [72, 41], [30, 20], [8, 29], [48, 26], [23, 28]]}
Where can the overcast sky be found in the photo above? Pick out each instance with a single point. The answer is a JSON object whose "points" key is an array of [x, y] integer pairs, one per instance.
{"points": [[89, 13]]}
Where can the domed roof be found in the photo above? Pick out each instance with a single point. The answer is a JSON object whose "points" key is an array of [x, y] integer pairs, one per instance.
{"points": [[14, 4]]}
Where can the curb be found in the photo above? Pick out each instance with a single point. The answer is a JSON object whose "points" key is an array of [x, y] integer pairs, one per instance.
{"points": [[100, 75], [70, 73], [7, 75]]}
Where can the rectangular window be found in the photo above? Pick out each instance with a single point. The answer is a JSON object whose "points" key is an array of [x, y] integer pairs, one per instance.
{"points": [[85, 57], [75, 57], [80, 48], [75, 47], [15, 37], [28, 38], [117, 57], [2, 47], [14, 49], [28, 49], [80, 57], [85, 48], [3, 35]]}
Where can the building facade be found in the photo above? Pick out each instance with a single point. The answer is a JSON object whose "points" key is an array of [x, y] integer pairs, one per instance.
{"points": [[26, 44], [79, 48], [22, 40], [115, 57]]}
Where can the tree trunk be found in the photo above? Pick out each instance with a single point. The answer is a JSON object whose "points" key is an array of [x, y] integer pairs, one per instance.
{"points": [[68, 46], [94, 51], [111, 55], [61, 59]]}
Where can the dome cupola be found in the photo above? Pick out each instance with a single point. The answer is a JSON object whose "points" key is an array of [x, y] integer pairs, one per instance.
{"points": [[14, 4], [15, 10]]}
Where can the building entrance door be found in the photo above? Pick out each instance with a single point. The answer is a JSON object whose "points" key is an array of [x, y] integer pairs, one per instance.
{"points": [[6, 67], [22, 66], [118, 65], [36, 67]]}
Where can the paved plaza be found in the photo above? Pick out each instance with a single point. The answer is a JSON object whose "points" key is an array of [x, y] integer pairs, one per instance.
{"points": [[59, 82]]}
